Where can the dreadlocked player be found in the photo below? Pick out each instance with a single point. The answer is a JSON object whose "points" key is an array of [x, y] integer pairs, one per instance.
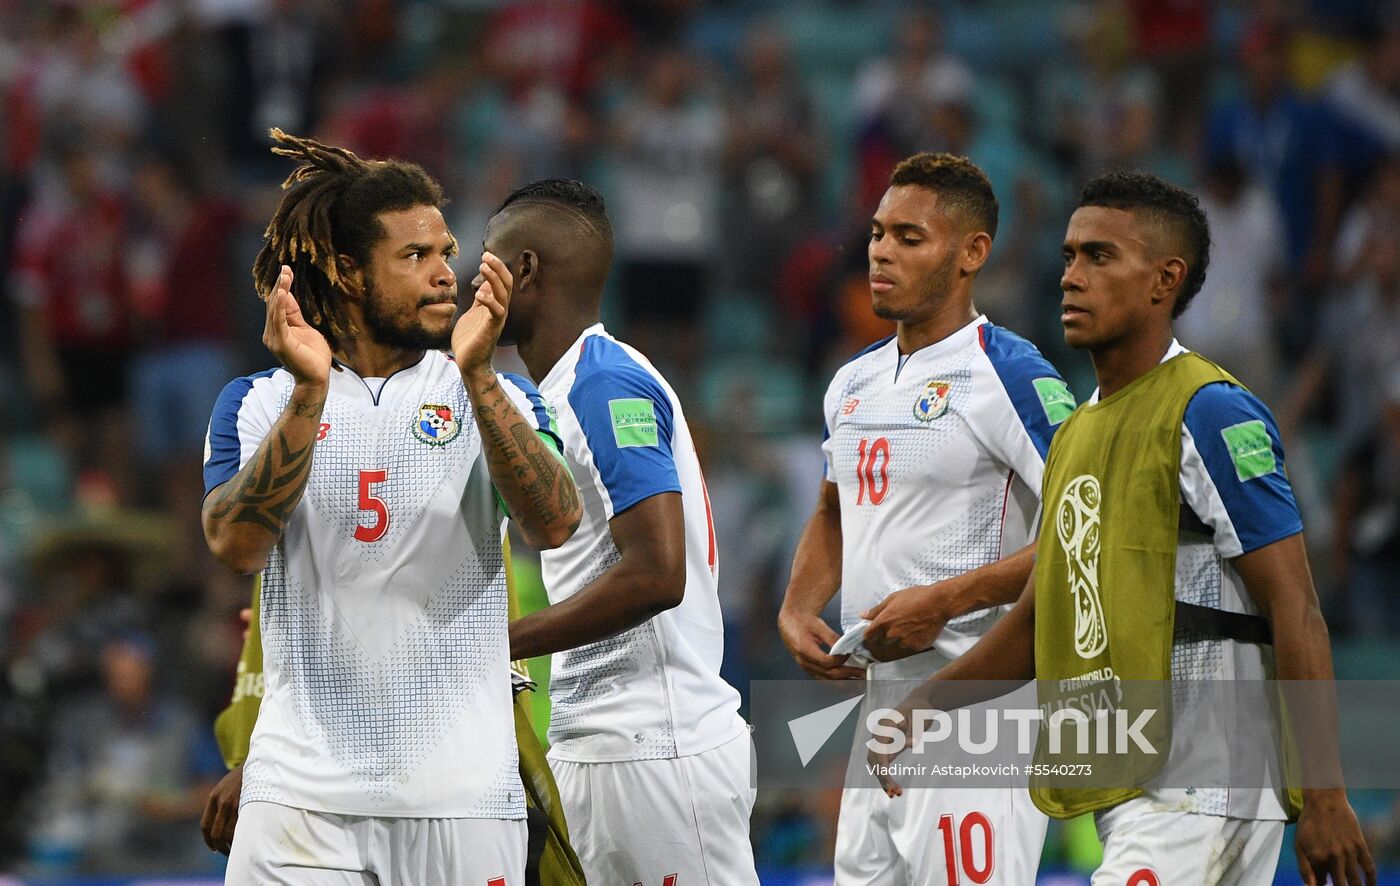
{"points": [[350, 477]]}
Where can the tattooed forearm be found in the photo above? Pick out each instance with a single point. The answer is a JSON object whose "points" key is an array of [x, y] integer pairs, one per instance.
{"points": [[245, 517], [554, 490], [308, 410], [268, 488], [536, 487]]}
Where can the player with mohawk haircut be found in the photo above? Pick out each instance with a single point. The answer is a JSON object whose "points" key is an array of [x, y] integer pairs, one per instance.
{"points": [[651, 755], [352, 479]]}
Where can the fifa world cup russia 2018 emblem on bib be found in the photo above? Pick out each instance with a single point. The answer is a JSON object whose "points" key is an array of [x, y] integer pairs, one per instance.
{"points": [[436, 424], [933, 400], [1077, 525]]}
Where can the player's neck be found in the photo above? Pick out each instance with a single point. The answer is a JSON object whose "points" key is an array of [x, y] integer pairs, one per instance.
{"points": [[1128, 359], [370, 360], [950, 316], [542, 349]]}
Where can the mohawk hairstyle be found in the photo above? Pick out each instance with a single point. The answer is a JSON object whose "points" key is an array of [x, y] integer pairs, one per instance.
{"points": [[331, 208], [961, 186], [583, 200], [1164, 203]]}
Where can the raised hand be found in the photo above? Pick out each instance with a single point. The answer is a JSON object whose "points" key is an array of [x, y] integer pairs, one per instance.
{"points": [[477, 330], [297, 344]]}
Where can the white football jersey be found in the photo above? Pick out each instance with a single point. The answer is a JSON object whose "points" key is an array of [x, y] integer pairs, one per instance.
{"points": [[938, 458], [384, 610], [652, 692]]}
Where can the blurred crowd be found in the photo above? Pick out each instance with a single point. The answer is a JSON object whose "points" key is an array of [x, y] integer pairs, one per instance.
{"points": [[742, 146]]}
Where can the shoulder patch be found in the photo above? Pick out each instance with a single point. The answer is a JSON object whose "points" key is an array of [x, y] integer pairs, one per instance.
{"points": [[1055, 399], [633, 422], [1251, 449]]}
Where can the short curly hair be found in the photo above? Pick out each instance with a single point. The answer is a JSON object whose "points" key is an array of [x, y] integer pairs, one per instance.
{"points": [[1174, 208], [961, 186]]}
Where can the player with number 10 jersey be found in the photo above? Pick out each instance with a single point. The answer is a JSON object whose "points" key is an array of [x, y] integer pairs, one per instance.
{"points": [[935, 446]]}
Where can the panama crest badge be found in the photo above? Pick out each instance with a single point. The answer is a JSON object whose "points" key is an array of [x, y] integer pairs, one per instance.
{"points": [[933, 400], [436, 425]]}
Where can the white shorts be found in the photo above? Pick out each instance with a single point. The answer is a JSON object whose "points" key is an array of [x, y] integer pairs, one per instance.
{"points": [[678, 822], [932, 837], [1145, 844], [275, 844]]}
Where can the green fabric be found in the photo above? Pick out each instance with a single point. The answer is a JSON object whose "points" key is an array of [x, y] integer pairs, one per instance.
{"points": [[530, 596], [234, 726], [559, 866], [1105, 575]]}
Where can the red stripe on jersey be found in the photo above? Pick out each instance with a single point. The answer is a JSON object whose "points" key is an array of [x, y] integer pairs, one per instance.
{"points": [[1005, 497], [709, 520]]}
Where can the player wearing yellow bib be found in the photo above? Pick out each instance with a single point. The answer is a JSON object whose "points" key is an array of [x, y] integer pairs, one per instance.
{"points": [[1170, 550]]}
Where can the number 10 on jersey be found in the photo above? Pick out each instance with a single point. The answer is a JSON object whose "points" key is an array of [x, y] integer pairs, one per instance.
{"points": [[873, 470]]}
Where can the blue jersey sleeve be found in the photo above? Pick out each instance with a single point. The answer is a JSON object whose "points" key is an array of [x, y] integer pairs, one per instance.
{"points": [[628, 425], [531, 404], [235, 430], [1239, 487], [1039, 396]]}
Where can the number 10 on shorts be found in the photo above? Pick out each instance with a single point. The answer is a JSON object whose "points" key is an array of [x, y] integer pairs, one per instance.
{"points": [[670, 880], [961, 854]]}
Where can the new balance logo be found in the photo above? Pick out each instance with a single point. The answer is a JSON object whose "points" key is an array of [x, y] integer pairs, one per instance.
{"points": [[850, 406]]}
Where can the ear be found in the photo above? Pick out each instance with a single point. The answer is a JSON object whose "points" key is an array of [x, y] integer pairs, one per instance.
{"points": [[351, 274], [976, 248], [1171, 275], [527, 269]]}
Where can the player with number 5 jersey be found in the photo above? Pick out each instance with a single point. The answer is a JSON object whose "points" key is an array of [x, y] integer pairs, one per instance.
{"points": [[935, 446], [368, 479]]}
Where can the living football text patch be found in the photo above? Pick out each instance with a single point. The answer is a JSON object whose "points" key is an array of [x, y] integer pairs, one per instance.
{"points": [[1251, 449], [633, 422], [1055, 399]]}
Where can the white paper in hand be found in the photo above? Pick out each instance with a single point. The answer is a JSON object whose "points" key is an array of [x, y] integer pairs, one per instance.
{"points": [[852, 643]]}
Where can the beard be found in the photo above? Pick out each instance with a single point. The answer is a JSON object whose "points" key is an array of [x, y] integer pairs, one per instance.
{"points": [[396, 332], [940, 283]]}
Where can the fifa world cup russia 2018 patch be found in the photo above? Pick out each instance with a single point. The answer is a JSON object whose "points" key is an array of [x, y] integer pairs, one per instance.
{"points": [[933, 400], [436, 425]]}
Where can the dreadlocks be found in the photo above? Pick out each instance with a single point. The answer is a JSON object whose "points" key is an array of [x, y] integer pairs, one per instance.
{"points": [[331, 209]]}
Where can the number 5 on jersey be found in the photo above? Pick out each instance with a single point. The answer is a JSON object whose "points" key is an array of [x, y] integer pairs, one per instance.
{"points": [[370, 502], [873, 470]]}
